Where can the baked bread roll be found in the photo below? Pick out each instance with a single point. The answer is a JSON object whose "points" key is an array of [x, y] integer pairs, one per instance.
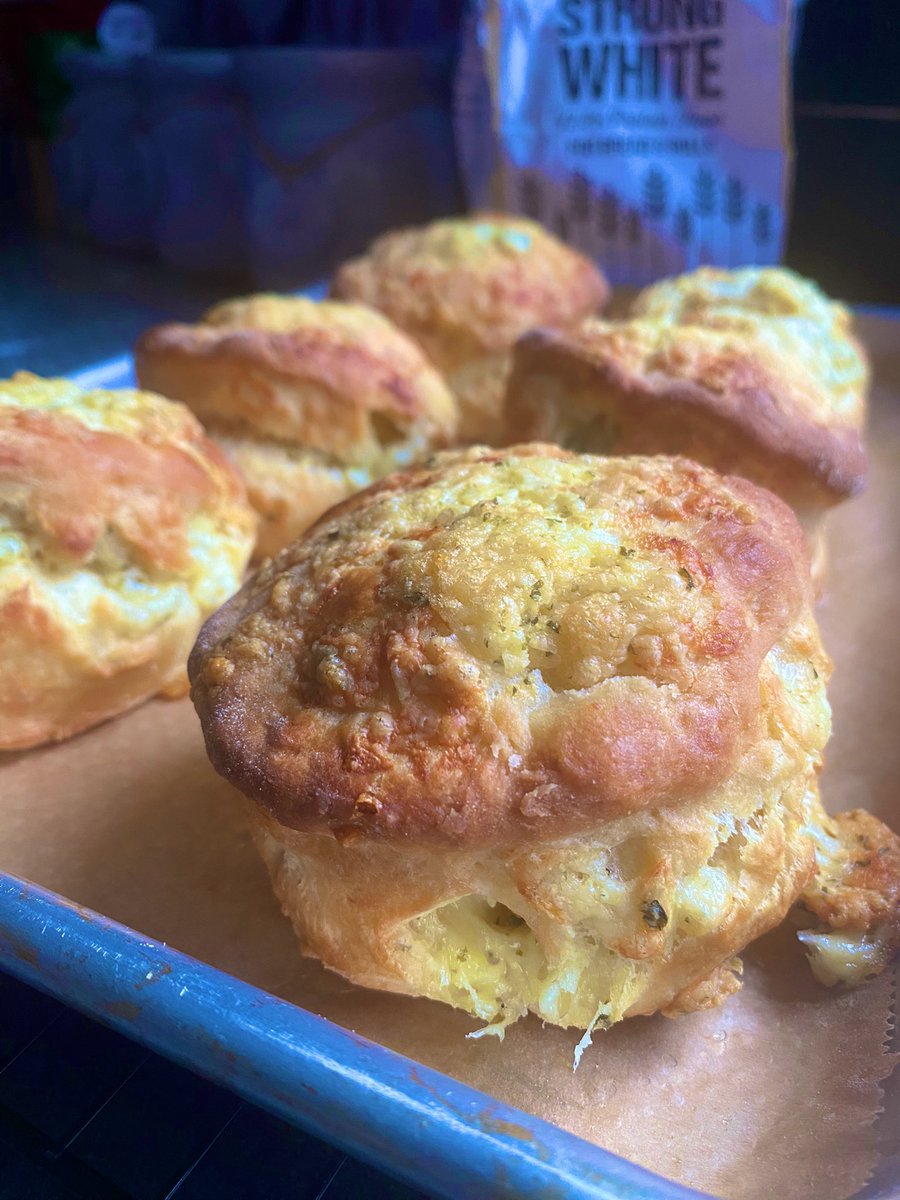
{"points": [[535, 731], [753, 372], [466, 288], [121, 529], [311, 400]]}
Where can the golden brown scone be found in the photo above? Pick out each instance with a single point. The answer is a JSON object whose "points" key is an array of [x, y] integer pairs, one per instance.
{"points": [[529, 730], [121, 529], [311, 400], [753, 372], [466, 288]]}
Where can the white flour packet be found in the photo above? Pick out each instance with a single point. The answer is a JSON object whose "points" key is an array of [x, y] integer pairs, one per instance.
{"points": [[652, 134]]}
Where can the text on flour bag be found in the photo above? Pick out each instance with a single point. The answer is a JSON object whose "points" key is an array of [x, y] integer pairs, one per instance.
{"points": [[652, 134]]}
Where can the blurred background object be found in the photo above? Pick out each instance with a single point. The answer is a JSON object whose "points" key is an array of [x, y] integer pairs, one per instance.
{"points": [[845, 230], [341, 144], [258, 142]]}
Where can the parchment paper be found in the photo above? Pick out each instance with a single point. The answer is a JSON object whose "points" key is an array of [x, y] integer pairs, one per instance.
{"points": [[773, 1096]]}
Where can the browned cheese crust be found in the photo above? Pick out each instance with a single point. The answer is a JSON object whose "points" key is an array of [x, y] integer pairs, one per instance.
{"points": [[530, 730], [121, 528], [753, 372], [458, 624], [466, 289], [311, 400]]}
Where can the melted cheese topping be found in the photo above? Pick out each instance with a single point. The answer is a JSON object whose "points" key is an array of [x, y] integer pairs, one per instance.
{"points": [[777, 310], [844, 956]]}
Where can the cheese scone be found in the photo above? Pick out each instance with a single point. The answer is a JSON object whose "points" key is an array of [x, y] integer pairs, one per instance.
{"points": [[121, 529], [466, 288], [537, 731], [311, 400], [753, 372]]}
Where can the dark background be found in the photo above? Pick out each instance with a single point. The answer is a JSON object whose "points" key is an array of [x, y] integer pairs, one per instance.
{"points": [[844, 225]]}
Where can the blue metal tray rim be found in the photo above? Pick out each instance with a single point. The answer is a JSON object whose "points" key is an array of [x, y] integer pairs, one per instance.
{"points": [[425, 1127]]}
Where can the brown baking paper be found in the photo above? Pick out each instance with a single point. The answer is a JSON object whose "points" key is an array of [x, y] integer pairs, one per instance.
{"points": [[775, 1095]]}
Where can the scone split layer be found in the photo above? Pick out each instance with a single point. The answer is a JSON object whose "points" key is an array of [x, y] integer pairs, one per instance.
{"points": [[531, 730], [312, 401]]}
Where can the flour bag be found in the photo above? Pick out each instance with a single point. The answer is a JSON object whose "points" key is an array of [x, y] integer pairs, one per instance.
{"points": [[652, 134]]}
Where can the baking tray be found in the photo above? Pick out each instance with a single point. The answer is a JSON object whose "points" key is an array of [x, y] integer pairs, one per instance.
{"points": [[429, 1129], [421, 1125]]}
